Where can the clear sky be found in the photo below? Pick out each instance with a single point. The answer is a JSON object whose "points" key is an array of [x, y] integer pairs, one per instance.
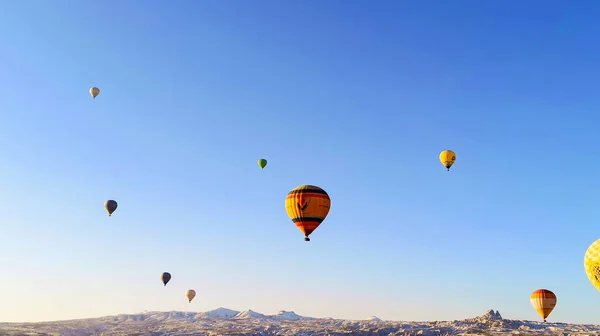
{"points": [[357, 97]]}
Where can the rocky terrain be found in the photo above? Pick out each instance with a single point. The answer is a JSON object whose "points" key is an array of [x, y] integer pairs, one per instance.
{"points": [[224, 321]]}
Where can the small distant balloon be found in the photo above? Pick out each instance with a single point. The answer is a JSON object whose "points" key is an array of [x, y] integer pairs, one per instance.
{"points": [[165, 277], [447, 158], [262, 163], [110, 206], [190, 295], [94, 92]]}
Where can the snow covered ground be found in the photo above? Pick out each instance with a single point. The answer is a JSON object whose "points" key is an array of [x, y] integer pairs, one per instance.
{"points": [[224, 321]]}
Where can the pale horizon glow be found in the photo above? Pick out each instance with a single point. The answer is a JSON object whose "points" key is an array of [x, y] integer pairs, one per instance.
{"points": [[356, 97]]}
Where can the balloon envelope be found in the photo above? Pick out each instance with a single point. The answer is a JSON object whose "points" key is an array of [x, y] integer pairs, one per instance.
{"points": [[190, 294], [591, 264], [110, 206], [165, 277], [543, 301], [307, 206], [262, 163], [447, 158], [94, 92]]}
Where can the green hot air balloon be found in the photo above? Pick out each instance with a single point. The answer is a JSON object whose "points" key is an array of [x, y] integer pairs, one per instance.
{"points": [[110, 206], [165, 277], [262, 163]]}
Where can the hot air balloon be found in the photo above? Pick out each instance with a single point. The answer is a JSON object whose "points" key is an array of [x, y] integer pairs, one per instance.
{"points": [[110, 206], [307, 206], [94, 92], [165, 277], [262, 163], [543, 301], [591, 263], [190, 294], [447, 158]]}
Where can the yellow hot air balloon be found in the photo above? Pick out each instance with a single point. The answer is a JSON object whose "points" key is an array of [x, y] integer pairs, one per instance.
{"points": [[190, 294], [591, 263], [94, 92], [447, 158], [543, 301], [307, 206]]}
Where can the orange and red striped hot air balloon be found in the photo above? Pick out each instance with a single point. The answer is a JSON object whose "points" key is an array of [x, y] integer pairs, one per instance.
{"points": [[543, 301], [307, 206]]}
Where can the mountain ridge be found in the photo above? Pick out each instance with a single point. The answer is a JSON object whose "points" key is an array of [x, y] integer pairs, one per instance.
{"points": [[225, 321], [226, 313]]}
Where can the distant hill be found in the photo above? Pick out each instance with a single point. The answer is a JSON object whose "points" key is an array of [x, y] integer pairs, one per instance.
{"points": [[223, 321]]}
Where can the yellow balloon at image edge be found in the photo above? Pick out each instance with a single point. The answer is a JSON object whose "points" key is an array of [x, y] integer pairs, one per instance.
{"points": [[447, 158], [94, 92], [262, 163], [591, 264]]}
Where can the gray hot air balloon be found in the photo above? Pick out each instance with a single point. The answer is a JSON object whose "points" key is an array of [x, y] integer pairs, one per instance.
{"points": [[165, 277], [110, 206]]}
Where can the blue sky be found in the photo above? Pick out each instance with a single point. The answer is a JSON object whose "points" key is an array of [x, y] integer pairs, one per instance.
{"points": [[357, 97]]}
